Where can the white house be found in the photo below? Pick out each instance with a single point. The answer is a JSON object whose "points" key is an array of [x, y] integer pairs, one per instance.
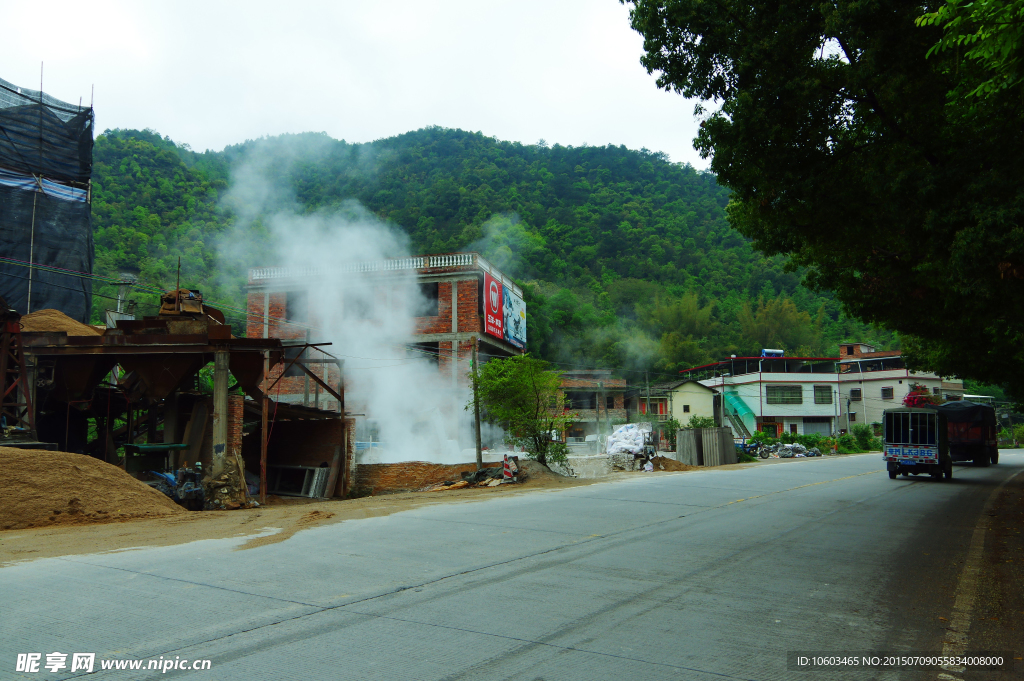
{"points": [[871, 382], [798, 395]]}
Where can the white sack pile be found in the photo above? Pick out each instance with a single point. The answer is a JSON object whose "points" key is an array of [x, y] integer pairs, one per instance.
{"points": [[628, 439]]}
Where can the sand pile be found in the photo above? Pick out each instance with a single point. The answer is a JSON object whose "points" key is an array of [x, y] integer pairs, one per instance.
{"points": [[50, 321], [39, 488], [667, 464]]}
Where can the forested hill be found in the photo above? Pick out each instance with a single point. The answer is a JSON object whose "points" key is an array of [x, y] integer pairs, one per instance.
{"points": [[627, 259]]}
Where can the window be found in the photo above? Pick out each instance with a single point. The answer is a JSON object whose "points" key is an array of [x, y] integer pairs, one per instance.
{"points": [[853, 416], [785, 394], [428, 352], [792, 428], [428, 305], [886, 393], [855, 394], [289, 355], [936, 391], [849, 349], [578, 400], [296, 307], [609, 402], [686, 409], [823, 394]]}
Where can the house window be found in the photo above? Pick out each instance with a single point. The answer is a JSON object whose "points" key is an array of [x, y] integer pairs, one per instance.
{"points": [[823, 394], [886, 393], [849, 349], [357, 303], [936, 391], [792, 428], [686, 409], [296, 307], [853, 416], [428, 306], [609, 402], [582, 400], [429, 352], [855, 394], [785, 394]]}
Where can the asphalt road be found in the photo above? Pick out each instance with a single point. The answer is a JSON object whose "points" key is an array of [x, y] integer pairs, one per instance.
{"points": [[709, 575]]}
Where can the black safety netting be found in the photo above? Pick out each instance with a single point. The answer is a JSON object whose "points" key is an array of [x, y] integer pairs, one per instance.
{"points": [[45, 213], [40, 135]]}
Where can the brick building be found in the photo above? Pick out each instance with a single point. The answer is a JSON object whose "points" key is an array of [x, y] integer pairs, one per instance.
{"points": [[597, 399], [453, 285], [463, 299]]}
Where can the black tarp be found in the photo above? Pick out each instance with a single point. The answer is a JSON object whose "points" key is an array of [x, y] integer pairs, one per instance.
{"points": [[45, 168], [63, 239], [963, 411]]}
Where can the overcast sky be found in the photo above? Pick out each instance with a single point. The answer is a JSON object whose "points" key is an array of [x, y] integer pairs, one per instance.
{"points": [[217, 73]]}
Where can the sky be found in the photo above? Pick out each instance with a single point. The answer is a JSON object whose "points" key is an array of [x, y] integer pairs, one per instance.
{"points": [[212, 74]]}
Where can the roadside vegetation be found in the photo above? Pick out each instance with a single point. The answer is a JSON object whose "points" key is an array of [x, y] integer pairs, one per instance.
{"points": [[859, 440]]}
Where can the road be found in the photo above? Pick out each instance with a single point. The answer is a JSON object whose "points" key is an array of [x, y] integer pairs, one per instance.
{"points": [[714, 574]]}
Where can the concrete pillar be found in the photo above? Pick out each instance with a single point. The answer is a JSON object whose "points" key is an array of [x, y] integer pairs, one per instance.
{"points": [[220, 410]]}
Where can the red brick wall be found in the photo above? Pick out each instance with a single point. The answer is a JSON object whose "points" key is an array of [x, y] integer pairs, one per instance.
{"points": [[411, 475], [469, 306], [442, 323]]}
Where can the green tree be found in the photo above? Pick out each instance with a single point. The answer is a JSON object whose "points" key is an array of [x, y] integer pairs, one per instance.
{"points": [[845, 152], [522, 395], [987, 38]]}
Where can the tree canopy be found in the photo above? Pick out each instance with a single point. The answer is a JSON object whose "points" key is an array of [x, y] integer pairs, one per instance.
{"points": [[848, 149]]}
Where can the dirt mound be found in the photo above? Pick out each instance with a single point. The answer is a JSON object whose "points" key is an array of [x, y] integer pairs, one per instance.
{"points": [[39, 488], [663, 463], [538, 473], [50, 321]]}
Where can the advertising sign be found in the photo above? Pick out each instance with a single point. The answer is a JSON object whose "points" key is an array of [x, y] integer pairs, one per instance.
{"points": [[493, 307], [514, 318]]}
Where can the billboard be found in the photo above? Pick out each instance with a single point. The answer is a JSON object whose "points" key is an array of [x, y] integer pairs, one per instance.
{"points": [[493, 307], [514, 319], [504, 313]]}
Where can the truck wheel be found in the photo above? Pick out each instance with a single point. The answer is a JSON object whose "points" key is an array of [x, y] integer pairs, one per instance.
{"points": [[981, 459], [947, 472], [936, 472], [893, 474], [906, 474], [995, 455]]}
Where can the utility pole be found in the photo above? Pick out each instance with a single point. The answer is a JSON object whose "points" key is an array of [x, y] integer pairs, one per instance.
{"points": [[647, 382], [476, 407], [600, 400]]}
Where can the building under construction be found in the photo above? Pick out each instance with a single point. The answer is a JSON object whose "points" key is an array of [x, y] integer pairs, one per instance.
{"points": [[45, 197]]}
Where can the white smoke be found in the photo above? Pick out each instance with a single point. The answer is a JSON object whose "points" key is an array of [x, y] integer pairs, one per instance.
{"points": [[414, 410]]}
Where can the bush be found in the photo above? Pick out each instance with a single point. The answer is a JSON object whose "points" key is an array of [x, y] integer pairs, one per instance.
{"points": [[810, 440], [743, 457], [863, 435], [848, 445], [700, 422]]}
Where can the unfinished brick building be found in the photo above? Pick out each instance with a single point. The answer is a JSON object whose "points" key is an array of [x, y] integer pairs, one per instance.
{"points": [[466, 300]]}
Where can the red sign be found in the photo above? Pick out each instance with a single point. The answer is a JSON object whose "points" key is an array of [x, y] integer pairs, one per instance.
{"points": [[493, 314]]}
